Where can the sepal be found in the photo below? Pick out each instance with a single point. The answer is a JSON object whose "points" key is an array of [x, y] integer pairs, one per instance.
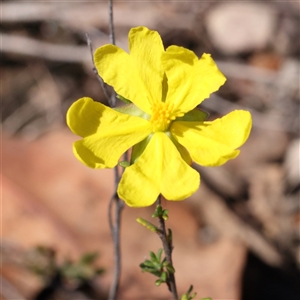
{"points": [[123, 99], [132, 110], [195, 115]]}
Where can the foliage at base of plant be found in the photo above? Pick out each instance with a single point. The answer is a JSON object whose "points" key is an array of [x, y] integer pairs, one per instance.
{"points": [[43, 262], [189, 296], [158, 267]]}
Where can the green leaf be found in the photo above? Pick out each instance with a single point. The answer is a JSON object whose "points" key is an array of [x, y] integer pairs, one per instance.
{"points": [[164, 276], [147, 263], [187, 295], [139, 148], [170, 268], [147, 224], [88, 258], [99, 271], [124, 164], [190, 289], [160, 212], [153, 257], [195, 115], [156, 273], [149, 269], [159, 253], [144, 268], [158, 282], [132, 110], [123, 99], [165, 214]]}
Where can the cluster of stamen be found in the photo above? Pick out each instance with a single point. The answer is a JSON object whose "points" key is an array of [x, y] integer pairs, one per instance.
{"points": [[162, 115]]}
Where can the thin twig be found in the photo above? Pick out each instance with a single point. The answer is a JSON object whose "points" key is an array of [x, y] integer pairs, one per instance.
{"points": [[114, 224], [119, 204], [115, 232], [103, 84], [111, 22], [168, 248], [109, 92], [113, 98]]}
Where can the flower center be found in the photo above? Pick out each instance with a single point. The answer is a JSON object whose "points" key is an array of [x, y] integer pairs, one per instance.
{"points": [[162, 115]]}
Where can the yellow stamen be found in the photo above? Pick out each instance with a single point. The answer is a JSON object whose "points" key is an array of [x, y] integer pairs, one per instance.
{"points": [[162, 115]]}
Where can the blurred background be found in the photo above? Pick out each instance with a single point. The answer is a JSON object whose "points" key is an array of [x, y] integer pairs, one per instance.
{"points": [[240, 238]]}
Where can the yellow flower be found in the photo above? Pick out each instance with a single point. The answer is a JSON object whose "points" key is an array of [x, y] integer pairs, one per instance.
{"points": [[163, 125]]}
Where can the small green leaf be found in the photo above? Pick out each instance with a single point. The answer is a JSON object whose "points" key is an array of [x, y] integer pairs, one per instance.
{"points": [[159, 253], [132, 110], [153, 257], [147, 268], [195, 115], [123, 99], [88, 258], [124, 164], [158, 282], [156, 273], [144, 268], [187, 295], [99, 271], [170, 269], [147, 263], [163, 276], [190, 289], [147, 224], [158, 211], [165, 214], [139, 148]]}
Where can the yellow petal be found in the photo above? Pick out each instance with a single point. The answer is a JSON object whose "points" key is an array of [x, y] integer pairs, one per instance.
{"points": [[213, 143], [136, 76], [159, 170], [190, 80], [107, 133], [146, 49], [83, 116]]}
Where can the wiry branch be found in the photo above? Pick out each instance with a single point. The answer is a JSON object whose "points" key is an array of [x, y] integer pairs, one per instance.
{"points": [[114, 223], [168, 248], [108, 92], [111, 22], [115, 232]]}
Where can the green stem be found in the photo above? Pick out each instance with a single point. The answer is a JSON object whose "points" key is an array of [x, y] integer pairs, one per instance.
{"points": [[168, 248]]}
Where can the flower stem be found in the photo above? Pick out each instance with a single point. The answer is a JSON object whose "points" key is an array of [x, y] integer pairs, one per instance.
{"points": [[115, 232], [115, 200], [108, 91], [168, 248], [111, 22], [119, 204]]}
